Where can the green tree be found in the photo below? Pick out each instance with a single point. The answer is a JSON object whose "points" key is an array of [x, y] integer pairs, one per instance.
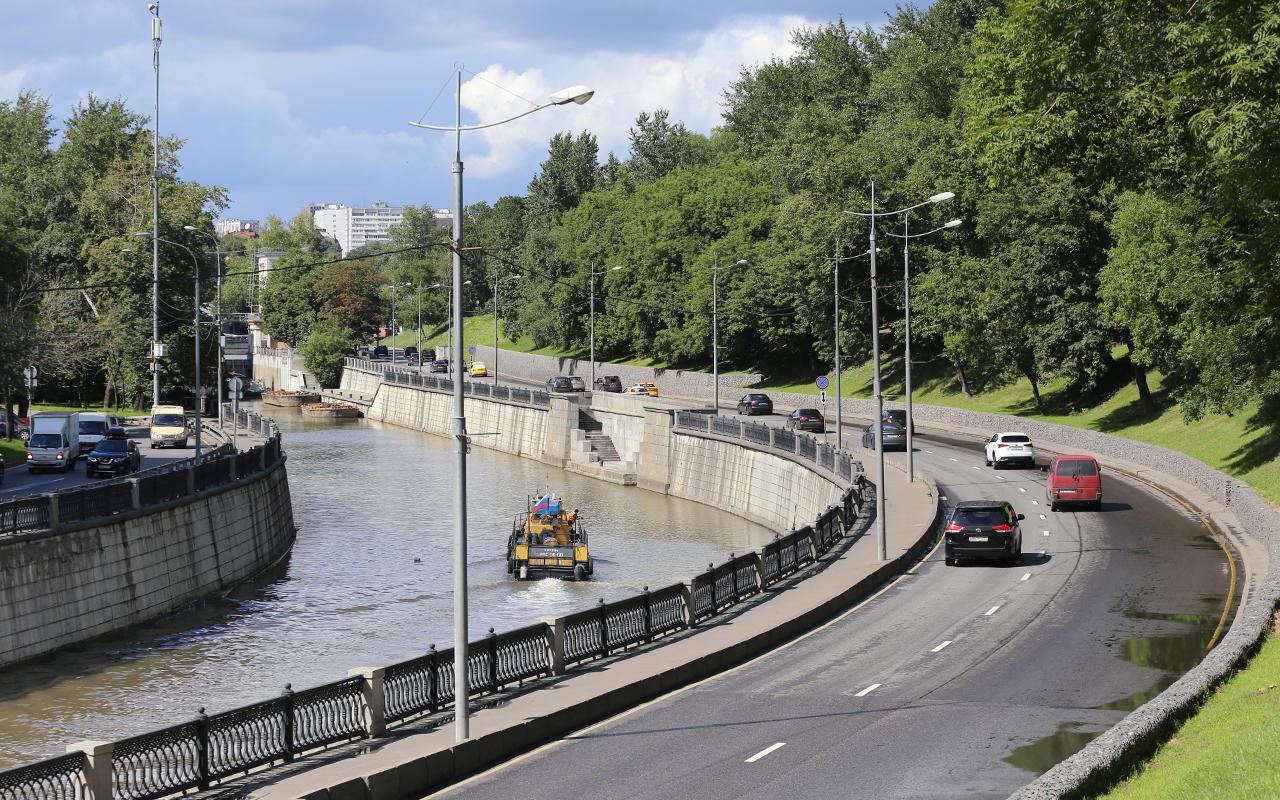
{"points": [[323, 351]]}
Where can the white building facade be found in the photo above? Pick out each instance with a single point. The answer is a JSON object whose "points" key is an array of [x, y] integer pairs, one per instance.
{"points": [[356, 226]]}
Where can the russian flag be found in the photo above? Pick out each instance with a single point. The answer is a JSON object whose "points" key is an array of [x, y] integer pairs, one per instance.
{"points": [[542, 505]]}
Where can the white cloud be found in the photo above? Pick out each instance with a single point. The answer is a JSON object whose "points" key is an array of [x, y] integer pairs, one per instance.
{"points": [[11, 83]]}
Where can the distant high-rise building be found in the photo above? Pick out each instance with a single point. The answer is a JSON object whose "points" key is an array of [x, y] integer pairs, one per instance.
{"points": [[356, 226], [230, 227], [442, 218]]}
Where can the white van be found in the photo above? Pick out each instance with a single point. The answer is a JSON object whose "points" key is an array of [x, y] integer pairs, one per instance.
{"points": [[93, 428], [54, 442]]}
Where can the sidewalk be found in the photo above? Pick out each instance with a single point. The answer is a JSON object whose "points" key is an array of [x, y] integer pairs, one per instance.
{"points": [[412, 765]]}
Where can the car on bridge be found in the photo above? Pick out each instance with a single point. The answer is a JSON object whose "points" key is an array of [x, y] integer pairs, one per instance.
{"points": [[755, 403], [643, 389], [807, 419], [478, 370], [381, 353], [577, 384], [559, 384], [114, 454], [439, 365], [1003, 449], [986, 529], [893, 436], [609, 383]]}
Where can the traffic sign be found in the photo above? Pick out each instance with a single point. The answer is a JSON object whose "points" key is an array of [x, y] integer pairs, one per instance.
{"points": [[472, 350], [822, 382], [823, 395]]}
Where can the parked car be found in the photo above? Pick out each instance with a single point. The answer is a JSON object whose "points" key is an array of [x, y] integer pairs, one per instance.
{"points": [[116, 455], [643, 388], [380, 353], [439, 365], [21, 429], [1003, 449], [559, 384], [169, 427], [609, 383], [1074, 480], [478, 370], [983, 529], [807, 419], [755, 403], [894, 437], [577, 384]]}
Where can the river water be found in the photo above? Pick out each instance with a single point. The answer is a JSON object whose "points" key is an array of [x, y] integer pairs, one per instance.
{"points": [[368, 584]]}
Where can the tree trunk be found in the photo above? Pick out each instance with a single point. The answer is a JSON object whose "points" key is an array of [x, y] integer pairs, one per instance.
{"points": [[8, 413], [1144, 391], [960, 376], [1030, 373]]}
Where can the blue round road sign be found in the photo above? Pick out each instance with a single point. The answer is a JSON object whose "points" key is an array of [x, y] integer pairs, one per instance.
{"points": [[822, 382]]}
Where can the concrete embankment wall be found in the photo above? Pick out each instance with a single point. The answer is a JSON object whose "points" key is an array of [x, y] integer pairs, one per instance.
{"points": [[357, 380], [62, 587], [272, 367], [518, 429]]}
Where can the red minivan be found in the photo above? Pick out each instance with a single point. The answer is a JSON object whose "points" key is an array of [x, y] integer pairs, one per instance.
{"points": [[1074, 479]]}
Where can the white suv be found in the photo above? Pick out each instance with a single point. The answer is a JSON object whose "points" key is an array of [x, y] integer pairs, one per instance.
{"points": [[1009, 448]]}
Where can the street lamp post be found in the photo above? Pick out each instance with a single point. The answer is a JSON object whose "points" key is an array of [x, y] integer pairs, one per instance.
{"points": [[419, 345], [393, 316], [595, 274], [199, 398], [496, 282], [836, 293], [882, 548], [715, 328], [906, 236], [156, 36], [217, 251], [574, 94]]}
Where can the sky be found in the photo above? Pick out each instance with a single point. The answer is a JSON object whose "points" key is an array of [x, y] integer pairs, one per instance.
{"points": [[286, 102]]}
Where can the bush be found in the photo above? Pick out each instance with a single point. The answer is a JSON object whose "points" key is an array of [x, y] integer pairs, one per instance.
{"points": [[323, 350]]}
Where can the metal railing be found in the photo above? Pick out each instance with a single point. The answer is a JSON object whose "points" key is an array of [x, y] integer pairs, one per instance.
{"points": [[837, 463], [58, 778], [398, 374]]}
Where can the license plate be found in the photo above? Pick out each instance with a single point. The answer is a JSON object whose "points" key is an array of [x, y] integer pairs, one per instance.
{"points": [[977, 538], [1067, 491]]}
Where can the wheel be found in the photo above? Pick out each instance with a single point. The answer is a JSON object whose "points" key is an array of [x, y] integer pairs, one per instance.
{"points": [[1053, 506], [71, 465], [995, 463], [986, 459], [580, 572], [950, 561]]}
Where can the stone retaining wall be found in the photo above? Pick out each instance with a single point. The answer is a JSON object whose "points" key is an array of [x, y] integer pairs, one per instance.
{"points": [[519, 429], [63, 587]]}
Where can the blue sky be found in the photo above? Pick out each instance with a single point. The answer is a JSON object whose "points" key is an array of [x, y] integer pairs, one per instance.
{"points": [[285, 102]]}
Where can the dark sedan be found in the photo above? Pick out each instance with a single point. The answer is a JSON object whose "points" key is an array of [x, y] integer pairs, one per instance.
{"points": [[439, 365], [894, 437], [755, 403], [807, 419], [983, 529], [114, 456], [609, 383]]}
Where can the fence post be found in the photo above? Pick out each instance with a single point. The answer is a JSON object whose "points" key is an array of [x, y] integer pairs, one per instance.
{"points": [[733, 570], [433, 680], [604, 628], [288, 722], [555, 642], [202, 743], [262, 458], [648, 616], [231, 466], [493, 660], [191, 479], [375, 699], [135, 492], [97, 768], [53, 510]]}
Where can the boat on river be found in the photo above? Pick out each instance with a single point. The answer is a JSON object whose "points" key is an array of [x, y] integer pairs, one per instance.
{"points": [[548, 541], [331, 410], [253, 389], [285, 398]]}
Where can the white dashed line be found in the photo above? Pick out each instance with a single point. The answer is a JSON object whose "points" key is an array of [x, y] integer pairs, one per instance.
{"points": [[939, 647], [1001, 477], [1024, 577], [1042, 516], [869, 690], [991, 611], [764, 752], [954, 459], [1035, 502], [975, 467], [930, 452], [1022, 490]]}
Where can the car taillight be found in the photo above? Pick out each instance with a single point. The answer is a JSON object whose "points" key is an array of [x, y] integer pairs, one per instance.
{"points": [[804, 419], [1002, 528], [821, 418], [1002, 444], [955, 527]]}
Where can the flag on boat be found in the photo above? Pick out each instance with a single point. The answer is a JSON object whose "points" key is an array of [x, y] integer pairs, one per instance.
{"points": [[542, 505]]}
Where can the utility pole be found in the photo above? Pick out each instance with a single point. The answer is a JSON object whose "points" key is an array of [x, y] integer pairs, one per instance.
{"points": [[156, 349], [881, 539], [839, 404]]}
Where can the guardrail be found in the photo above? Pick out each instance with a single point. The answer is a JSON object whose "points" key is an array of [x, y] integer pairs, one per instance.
{"points": [[826, 458], [218, 466], [202, 752], [398, 374]]}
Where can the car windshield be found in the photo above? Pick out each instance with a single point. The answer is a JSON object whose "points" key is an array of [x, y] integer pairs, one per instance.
{"points": [[93, 427], [1016, 438], [111, 446], [979, 517], [1076, 468], [888, 427], [45, 440], [757, 397], [809, 412], [169, 420]]}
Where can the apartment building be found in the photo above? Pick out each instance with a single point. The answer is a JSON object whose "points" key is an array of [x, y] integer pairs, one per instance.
{"points": [[355, 226]]}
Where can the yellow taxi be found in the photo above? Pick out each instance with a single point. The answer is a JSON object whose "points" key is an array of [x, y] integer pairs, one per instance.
{"points": [[646, 389], [478, 370]]}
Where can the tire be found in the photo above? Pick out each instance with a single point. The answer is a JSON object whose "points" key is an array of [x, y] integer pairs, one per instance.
{"points": [[579, 572], [1053, 506], [950, 561]]}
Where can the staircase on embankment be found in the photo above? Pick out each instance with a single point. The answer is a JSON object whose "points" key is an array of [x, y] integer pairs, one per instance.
{"points": [[592, 447]]}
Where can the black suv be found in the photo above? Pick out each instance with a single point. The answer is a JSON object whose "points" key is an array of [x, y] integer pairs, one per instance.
{"points": [[807, 419], [984, 529], [755, 403], [380, 353], [114, 454], [609, 383]]}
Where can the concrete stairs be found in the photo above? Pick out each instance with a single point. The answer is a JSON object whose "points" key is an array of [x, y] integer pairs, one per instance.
{"points": [[600, 446], [592, 452]]}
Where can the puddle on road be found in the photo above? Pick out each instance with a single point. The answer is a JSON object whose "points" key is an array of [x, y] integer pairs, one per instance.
{"points": [[1042, 754]]}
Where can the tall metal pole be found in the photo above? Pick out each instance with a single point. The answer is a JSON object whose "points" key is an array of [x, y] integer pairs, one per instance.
{"points": [[906, 290], [461, 687], [393, 321], [419, 288], [593, 327], [881, 543], [495, 331], [217, 253], [839, 403], [199, 388], [156, 35], [715, 336]]}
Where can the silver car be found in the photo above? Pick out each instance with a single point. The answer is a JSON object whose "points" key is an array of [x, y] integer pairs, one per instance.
{"points": [[893, 436]]}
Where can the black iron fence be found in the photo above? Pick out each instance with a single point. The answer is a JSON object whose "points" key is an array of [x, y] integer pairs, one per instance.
{"points": [[58, 778], [398, 375], [215, 467], [837, 463]]}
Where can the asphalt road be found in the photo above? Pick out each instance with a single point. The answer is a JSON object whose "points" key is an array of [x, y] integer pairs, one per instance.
{"points": [[18, 481], [953, 682]]}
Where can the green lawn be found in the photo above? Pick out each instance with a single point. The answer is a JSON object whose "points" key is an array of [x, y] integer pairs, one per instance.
{"points": [[120, 412], [13, 452]]}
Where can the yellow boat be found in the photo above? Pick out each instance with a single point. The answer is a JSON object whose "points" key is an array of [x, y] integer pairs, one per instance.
{"points": [[548, 541]]}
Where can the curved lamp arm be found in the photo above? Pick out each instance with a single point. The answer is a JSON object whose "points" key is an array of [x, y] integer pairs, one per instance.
{"points": [[937, 198], [955, 223]]}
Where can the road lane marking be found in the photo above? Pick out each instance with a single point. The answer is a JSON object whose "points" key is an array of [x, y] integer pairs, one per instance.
{"points": [[941, 646], [930, 452], [991, 611], [869, 690], [975, 467], [1035, 502], [764, 752], [953, 459], [1042, 516], [1046, 533], [1001, 477], [1024, 577], [1022, 489]]}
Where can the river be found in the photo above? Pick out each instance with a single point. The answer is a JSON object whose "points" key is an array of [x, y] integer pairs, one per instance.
{"points": [[368, 583]]}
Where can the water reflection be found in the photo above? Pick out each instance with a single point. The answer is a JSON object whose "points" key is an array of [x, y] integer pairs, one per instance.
{"points": [[368, 583]]}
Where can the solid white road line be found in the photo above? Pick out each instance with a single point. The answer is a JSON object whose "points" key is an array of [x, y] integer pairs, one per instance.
{"points": [[941, 646], [764, 752], [991, 611], [869, 690], [1024, 577]]}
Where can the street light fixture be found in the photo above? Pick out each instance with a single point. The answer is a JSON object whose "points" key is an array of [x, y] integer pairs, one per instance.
{"points": [[906, 236], [496, 282], [882, 547], [199, 394], [715, 328], [217, 250], [594, 274], [573, 94]]}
